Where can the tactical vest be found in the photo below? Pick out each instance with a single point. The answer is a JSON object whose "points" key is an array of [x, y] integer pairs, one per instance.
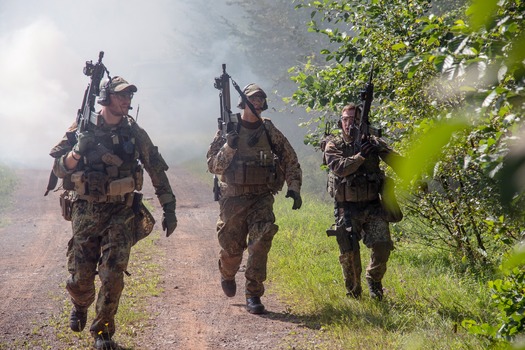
{"points": [[363, 185], [254, 168], [111, 169]]}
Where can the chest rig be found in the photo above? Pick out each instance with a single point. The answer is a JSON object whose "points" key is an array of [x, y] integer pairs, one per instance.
{"points": [[361, 186], [255, 168], [111, 169]]}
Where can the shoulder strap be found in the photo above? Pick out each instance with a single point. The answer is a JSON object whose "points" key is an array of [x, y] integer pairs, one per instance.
{"points": [[272, 146]]}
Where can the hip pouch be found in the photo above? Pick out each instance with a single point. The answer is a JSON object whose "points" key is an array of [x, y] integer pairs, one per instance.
{"points": [[144, 221], [66, 204]]}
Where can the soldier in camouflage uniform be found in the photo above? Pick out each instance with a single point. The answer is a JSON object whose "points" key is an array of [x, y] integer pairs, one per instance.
{"points": [[253, 163], [356, 182], [102, 173]]}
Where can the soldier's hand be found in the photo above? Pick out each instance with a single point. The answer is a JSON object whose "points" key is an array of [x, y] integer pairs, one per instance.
{"points": [[367, 148], [169, 219], [297, 200], [169, 223], [232, 139], [85, 141]]}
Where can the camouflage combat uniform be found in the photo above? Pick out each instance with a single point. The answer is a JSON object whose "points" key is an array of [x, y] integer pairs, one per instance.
{"points": [[249, 178], [355, 183], [106, 226]]}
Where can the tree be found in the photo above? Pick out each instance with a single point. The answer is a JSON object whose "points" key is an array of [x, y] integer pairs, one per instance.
{"points": [[451, 82]]}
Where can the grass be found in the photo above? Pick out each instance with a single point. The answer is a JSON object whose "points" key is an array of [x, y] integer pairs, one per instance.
{"points": [[425, 300], [8, 183]]}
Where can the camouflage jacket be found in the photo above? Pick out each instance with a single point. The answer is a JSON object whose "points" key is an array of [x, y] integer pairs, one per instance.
{"points": [[221, 157], [351, 176], [145, 153], [342, 159]]}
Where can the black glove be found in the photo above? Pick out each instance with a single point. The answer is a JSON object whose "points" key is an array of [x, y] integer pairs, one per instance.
{"points": [[232, 139], [86, 140], [297, 201], [169, 219], [367, 148]]}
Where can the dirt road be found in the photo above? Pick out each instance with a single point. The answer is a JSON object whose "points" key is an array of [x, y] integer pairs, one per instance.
{"points": [[192, 313]]}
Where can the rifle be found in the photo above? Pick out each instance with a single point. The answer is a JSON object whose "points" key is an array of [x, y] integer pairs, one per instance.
{"points": [[363, 132], [86, 113], [227, 121]]}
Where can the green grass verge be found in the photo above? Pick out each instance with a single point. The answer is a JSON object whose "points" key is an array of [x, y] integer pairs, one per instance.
{"points": [[8, 183], [425, 299]]}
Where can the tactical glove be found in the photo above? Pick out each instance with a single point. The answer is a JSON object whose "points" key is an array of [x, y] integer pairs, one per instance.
{"points": [[169, 219], [85, 141], [232, 139], [297, 201], [367, 148], [99, 153]]}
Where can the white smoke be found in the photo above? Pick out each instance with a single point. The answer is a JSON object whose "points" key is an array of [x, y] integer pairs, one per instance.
{"points": [[163, 47]]}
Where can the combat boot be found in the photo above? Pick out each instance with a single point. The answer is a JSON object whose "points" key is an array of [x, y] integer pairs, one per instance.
{"points": [[254, 305], [77, 320], [355, 292], [104, 342], [229, 287], [375, 288]]}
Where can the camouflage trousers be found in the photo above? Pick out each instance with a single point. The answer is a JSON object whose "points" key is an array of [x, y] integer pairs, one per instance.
{"points": [[102, 237], [246, 222], [367, 220]]}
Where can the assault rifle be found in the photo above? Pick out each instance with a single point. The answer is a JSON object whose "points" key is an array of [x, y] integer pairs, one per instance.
{"points": [[362, 133], [86, 113], [227, 121]]}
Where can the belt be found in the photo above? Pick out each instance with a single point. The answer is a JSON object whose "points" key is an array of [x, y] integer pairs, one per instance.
{"points": [[128, 197], [244, 190]]}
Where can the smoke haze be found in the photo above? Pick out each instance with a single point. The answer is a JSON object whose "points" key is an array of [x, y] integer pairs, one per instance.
{"points": [[168, 49]]}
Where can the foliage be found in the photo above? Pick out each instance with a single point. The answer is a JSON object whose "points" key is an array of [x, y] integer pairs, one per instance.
{"points": [[454, 83], [508, 296], [456, 89], [272, 37]]}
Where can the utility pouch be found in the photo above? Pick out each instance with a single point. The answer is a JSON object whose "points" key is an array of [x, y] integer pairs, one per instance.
{"points": [[79, 181], [121, 186], [97, 183], [66, 204], [246, 173], [144, 222]]}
